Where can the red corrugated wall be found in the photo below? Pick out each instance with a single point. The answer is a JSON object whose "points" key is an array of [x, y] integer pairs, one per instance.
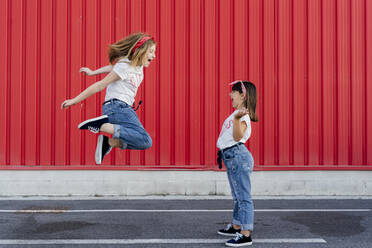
{"points": [[311, 61]]}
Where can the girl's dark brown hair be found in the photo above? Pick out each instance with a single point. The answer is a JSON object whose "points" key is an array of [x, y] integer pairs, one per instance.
{"points": [[123, 49], [250, 98]]}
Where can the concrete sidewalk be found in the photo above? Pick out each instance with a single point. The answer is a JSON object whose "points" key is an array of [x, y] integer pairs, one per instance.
{"points": [[132, 183]]}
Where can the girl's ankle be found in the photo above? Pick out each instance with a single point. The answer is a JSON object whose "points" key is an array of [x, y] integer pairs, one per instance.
{"points": [[245, 233], [236, 227]]}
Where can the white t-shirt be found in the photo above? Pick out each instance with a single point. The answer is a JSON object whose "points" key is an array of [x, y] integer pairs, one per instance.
{"points": [[226, 138], [125, 89]]}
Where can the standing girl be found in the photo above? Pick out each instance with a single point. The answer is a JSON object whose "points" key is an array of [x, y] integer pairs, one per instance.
{"points": [[236, 130], [127, 58]]}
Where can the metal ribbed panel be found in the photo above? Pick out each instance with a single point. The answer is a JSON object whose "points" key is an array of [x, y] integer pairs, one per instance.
{"points": [[310, 60]]}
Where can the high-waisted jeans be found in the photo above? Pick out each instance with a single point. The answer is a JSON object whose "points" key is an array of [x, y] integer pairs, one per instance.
{"points": [[127, 126], [239, 165]]}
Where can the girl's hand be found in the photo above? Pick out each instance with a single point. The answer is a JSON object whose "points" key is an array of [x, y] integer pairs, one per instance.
{"points": [[241, 113], [88, 71], [68, 103]]}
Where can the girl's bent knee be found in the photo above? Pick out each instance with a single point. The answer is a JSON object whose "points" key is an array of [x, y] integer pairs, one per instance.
{"points": [[145, 143], [148, 142]]}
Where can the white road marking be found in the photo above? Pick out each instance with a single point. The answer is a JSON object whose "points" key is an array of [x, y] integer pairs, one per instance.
{"points": [[59, 211], [174, 197], [144, 241], [315, 210]]}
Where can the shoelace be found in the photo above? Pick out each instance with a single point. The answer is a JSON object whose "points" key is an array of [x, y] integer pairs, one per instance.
{"points": [[228, 227], [93, 129], [238, 236]]}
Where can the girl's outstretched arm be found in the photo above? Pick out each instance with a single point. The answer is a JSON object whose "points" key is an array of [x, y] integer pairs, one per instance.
{"points": [[89, 72], [94, 88]]}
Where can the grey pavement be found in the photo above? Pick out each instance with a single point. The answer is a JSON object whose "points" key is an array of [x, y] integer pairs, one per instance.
{"points": [[181, 223]]}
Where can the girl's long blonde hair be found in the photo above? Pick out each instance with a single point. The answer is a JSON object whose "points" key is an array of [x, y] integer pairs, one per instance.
{"points": [[123, 49]]}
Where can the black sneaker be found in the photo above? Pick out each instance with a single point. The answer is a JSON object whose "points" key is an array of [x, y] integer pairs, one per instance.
{"points": [[94, 124], [103, 148], [239, 240], [228, 231]]}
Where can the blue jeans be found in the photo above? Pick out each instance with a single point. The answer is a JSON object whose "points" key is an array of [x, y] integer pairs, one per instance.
{"points": [[127, 126], [239, 166]]}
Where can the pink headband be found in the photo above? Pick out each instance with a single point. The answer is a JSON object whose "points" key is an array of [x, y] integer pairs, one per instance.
{"points": [[242, 85], [141, 42]]}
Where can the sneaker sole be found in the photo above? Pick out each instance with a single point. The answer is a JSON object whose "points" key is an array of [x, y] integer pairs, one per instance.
{"points": [[90, 120], [98, 154], [238, 245], [227, 234]]}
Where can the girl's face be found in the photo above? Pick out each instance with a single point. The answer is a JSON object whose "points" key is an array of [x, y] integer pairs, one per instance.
{"points": [[237, 99], [150, 55]]}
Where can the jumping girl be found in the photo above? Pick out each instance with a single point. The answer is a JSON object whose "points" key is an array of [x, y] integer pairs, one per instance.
{"points": [[125, 74], [236, 130]]}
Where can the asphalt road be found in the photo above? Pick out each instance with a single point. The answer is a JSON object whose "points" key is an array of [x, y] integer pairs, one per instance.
{"points": [[182, 223]]}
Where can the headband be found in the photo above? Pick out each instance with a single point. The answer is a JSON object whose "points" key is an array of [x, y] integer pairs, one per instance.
{"points": [[141, 42], [242, 85]]}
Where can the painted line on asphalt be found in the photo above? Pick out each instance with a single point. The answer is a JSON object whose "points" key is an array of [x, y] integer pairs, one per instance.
{"points": [[144, 241], [59, 211], [174, 197], [315, 210]]}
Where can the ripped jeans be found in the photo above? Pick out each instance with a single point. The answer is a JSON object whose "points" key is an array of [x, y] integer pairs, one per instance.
{"points": [[239, 166], [127, 126]]}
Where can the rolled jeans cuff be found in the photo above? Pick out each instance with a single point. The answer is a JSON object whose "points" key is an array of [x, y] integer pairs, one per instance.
{"points": [[245, 227], [116, 135], [236, 222]]}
